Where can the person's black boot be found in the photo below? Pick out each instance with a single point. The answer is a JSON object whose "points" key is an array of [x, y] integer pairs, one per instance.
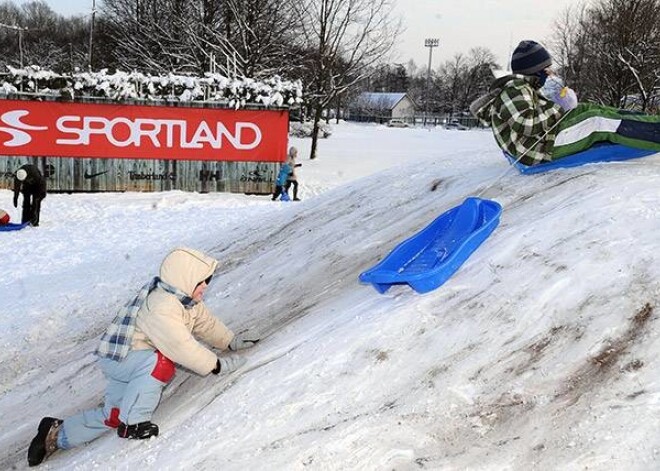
{"points": [[138, 431], [44, 443]]}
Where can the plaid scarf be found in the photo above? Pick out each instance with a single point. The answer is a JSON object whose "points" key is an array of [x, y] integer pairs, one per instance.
{"points": [[116, 341]]}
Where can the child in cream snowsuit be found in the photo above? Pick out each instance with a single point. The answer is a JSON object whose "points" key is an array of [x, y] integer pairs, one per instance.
{"points": [[139, 351]]}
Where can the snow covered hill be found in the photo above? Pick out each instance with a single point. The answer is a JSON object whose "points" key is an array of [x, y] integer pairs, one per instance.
{"points": [[539, 353]]}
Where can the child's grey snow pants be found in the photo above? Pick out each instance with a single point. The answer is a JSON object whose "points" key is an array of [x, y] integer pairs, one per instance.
{"points": [[133, 392]]}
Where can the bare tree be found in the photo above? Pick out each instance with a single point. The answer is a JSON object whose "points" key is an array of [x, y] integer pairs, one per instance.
{"points": [[343, 40], [388, 78], [478, 77], [262, 31], [151, 34], [33, 33], [233, 37], [459, 81], [566, 42], [451, 76], [611, 51]]}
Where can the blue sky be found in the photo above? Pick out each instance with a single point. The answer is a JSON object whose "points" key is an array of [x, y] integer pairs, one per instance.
{"points": [[496, 24]]}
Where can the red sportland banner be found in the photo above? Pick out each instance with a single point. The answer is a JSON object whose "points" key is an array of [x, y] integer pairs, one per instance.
{"points": [[44, 128]]}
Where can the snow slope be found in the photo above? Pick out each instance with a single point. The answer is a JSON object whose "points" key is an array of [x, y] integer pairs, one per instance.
{"points": [[539, 353]]}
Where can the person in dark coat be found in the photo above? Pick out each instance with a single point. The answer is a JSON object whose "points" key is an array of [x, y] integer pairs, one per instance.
{"points": [[29, 181]]}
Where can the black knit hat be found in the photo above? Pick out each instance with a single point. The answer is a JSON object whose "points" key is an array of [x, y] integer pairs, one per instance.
{"points": [[530, 58]]}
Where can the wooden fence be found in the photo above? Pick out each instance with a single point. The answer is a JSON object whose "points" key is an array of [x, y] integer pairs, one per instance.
{"points": [[94, 175]]}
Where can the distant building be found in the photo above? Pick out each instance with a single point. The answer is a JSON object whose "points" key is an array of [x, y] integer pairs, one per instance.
{"points": [[381, 107]]}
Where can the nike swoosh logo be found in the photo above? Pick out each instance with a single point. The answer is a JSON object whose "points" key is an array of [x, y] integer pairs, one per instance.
{"points": [[92, 175]]}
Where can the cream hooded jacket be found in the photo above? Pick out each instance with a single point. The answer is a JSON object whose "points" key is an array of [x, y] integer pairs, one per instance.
{"points": [[164, 324]]}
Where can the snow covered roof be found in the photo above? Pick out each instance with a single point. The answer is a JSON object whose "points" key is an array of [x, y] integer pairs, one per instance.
{"points": [[379, 100]]}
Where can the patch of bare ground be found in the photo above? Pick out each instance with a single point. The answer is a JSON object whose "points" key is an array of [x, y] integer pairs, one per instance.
{"points": [[535, 351], [607, 363], [526, 358], [506, 407], [604, 365]]}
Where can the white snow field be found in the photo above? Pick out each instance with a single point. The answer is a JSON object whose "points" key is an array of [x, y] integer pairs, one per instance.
{"points": [[541, 352]]}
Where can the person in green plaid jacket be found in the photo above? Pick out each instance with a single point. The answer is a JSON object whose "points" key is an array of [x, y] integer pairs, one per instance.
{"points": [[535, 126]]}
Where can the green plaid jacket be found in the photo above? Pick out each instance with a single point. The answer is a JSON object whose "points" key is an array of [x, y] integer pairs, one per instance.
{"points": [[519, 116]]}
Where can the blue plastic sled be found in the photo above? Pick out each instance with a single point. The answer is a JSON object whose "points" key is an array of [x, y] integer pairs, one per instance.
{"points": [[430, 257], [603, 152], [13, 227]]}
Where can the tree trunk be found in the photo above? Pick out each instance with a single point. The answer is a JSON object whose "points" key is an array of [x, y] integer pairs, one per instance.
{"points": [[315, 130]]}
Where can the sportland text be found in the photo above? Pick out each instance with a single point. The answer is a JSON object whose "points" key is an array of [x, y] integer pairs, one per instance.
{"points": [[124, 132]]}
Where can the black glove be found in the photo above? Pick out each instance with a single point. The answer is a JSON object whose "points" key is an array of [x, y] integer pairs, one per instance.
{"points": [[240, 343], [228, 364]]}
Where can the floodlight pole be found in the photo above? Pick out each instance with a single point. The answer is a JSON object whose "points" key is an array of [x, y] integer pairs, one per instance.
{"points": [[430, 43], [91, 34], [20, 45]]}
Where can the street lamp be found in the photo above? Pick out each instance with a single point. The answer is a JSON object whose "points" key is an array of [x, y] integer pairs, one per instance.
{"points": [[91, 35], [20, 30], [430, 43]]}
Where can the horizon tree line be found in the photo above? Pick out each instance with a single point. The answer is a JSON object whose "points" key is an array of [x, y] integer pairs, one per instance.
{"points": [[608, 50]]}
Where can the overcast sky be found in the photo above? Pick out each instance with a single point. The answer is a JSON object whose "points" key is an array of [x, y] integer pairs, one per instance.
{"points": [[459, 25], [498, 25]]}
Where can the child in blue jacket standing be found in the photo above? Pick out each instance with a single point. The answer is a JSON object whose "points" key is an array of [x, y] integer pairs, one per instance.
{"points": [[282, 177]]}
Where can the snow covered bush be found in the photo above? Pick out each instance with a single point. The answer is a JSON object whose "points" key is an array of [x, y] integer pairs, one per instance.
{"points": [[304, 129], [234, 92]]}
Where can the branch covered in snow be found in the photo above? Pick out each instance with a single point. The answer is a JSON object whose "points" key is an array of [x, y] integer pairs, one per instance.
{"points": [[234, 92]]}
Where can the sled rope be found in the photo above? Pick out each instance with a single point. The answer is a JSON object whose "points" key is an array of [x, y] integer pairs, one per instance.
{"points": [[503, 174]]}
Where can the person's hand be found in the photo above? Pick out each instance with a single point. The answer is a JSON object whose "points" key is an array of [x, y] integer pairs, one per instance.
{"points": [[228, 364], [555, 90], [567, 99], [241, 343]]}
